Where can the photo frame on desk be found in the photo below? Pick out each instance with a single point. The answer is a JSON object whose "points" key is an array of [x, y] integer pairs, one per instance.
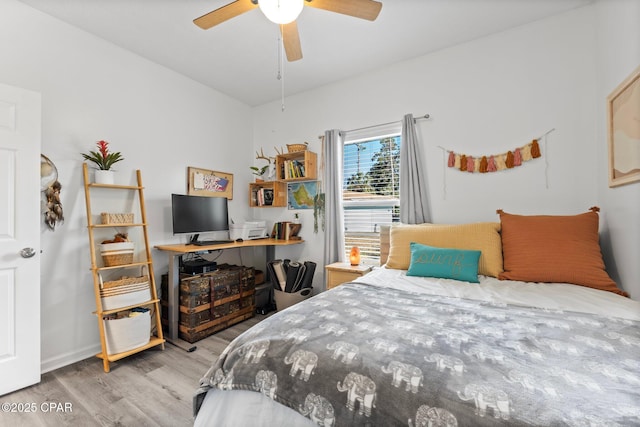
{"points": [[623, 105], [204, 182]]}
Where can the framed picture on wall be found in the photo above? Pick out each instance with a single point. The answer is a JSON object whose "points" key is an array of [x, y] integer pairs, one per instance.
{"points": [[300, 195], [203, 182], [623, 116]]}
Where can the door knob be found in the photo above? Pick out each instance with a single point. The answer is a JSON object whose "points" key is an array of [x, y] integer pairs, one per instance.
{"points": [[27, 252]]}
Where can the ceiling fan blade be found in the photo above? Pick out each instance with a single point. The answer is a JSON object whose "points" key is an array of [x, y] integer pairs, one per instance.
{"points": [[364, 9], [224, 13], [291, 41]]}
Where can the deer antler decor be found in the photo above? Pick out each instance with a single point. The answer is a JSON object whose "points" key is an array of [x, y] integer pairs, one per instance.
{"points": [[264, 169], [262, 156]]}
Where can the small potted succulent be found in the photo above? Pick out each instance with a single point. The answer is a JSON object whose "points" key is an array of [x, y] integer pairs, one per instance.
{"points": [[103, 161]]}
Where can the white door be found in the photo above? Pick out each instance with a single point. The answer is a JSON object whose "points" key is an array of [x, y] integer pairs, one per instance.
{"points": [[19, 238]]}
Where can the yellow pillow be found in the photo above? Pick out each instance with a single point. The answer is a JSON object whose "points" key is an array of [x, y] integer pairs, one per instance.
{"points": [[481, 236]]}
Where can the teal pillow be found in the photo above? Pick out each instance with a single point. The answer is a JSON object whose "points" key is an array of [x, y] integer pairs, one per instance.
{"points": [[458, 264]]}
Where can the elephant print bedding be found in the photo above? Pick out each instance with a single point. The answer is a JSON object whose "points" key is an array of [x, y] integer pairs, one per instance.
{"points": [[364, 355]]}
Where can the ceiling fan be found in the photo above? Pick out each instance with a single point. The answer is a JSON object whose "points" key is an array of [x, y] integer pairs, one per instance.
{"points": [[285, 12]]}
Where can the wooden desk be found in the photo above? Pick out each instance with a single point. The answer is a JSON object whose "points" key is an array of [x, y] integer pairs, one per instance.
{"points": [[177, 250]]}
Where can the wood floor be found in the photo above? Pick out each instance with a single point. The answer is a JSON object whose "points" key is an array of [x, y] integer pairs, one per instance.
{"points": [[152, 388]]}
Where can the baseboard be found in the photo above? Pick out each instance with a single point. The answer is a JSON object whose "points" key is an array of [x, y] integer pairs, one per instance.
{"points": [[63, 360]]}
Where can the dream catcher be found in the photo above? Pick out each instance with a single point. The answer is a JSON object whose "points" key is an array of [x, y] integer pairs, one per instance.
{"points": [[50, 187]]}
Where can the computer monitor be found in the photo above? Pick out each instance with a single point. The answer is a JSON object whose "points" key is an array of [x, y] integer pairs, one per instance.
{"points": [[198, 214]]}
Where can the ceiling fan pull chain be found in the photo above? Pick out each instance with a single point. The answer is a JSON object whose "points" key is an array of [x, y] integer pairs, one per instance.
{"points": [[281, 69], [279, 77], [282, 90]]}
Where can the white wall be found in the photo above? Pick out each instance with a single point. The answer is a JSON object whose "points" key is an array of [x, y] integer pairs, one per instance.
{"points": [[162, 122], [487, 96], [618, 51]]}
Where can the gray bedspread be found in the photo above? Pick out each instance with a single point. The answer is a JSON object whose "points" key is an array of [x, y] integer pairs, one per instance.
{"points": [[364, 355]]}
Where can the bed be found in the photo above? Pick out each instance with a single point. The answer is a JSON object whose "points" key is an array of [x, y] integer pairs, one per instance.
{"points": [[408, 344]]}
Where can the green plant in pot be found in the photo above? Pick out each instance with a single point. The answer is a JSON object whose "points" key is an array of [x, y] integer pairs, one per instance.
{"points": [[259, 172], [103, 161]]}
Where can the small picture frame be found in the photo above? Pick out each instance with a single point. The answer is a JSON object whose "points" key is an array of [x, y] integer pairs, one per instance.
{"points": [[623, 109], [204, 182]]}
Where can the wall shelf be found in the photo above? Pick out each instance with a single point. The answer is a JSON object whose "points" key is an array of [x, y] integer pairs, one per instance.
{"points": [[278, 190], [297, 166]]}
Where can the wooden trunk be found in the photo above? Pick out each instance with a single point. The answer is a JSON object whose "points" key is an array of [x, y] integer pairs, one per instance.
{"points": [[212, 301]]}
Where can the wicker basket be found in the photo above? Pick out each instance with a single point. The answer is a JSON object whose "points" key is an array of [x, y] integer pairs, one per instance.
{"points": [[114, 254], [124, 292], [293, 148], [117, 286], [116, 218]]}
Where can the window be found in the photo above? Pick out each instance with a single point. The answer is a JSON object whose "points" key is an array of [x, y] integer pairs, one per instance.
{"points": [[370, 189]]}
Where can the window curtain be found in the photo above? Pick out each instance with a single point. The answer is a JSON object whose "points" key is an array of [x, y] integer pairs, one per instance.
{"points": [[332, 183], [414, 202]]}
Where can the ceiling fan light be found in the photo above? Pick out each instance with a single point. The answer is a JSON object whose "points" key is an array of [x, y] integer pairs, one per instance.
{"points": [[281, 11]]}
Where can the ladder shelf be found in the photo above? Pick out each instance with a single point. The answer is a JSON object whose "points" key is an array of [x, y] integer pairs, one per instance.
{"points": [[153, 303]]}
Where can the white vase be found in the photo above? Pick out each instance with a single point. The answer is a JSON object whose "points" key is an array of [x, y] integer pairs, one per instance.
{"points": [[104, 177]]}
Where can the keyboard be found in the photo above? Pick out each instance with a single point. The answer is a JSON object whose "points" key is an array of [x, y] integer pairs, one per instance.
{"points": [[211, 242]]}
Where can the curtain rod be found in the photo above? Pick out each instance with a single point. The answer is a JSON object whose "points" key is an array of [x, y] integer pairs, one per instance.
{"points": [[423, 117]]}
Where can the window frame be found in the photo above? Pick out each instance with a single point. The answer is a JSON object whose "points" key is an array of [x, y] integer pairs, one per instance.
{"points": [[369, 249]]}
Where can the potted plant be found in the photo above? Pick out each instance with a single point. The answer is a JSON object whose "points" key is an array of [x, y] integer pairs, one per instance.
{"points": [[259, 172], [103, 161]]}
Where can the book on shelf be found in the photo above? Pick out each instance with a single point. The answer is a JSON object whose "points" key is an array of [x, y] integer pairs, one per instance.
{"points": [[293, 169], [268, 196], [286, 230], [264, 197]]}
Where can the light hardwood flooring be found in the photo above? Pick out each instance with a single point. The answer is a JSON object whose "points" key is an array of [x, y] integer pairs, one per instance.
{"points": [[151, 388]]}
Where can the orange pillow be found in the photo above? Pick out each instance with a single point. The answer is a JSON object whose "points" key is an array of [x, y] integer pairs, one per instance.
{"points": [[560, 249]]}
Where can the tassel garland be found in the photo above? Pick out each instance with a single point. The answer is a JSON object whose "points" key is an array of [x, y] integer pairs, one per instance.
{"points": [[483, 164], [535, 149], [517, 158], [470, 164], [509, 160], [494, 162], [491, 164]]}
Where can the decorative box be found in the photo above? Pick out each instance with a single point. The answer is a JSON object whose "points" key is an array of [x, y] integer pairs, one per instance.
{"points": [[116, 218]]}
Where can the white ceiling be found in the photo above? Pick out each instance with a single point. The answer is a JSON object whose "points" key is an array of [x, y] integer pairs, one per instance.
{"points": [[240, 57]]}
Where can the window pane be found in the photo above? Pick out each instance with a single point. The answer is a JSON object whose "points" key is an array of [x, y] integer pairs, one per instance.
{"points": [[370, 192]]}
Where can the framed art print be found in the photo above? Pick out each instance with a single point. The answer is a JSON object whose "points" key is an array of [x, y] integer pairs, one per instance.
{"points": [[623, 116]]}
